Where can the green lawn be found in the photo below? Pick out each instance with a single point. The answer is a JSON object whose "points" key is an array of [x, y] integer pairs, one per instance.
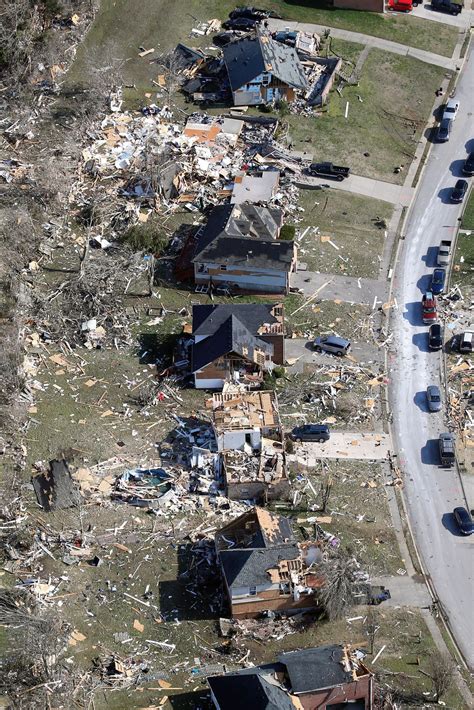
{"points": [[467, 221], [463, 271], [117, 32], [387, 113], [355, 225]]}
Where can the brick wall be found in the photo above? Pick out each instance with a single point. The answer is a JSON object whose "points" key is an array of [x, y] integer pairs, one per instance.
{"points": [[370, 5], [357, 690], [268, 601]]}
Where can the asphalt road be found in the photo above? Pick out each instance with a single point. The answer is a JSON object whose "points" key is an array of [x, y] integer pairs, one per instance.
{"points": [[432, 492]]}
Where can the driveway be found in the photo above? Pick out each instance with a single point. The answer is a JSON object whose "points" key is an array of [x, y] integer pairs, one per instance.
{"points": [[431, 493], [364, 446], [378, 189], [300, 349], [463, 20], [404, 591], [367, 40], [349, 289]]}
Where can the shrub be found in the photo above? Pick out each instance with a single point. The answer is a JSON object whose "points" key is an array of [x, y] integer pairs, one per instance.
{"points": [[145, 237], [288, 232]]}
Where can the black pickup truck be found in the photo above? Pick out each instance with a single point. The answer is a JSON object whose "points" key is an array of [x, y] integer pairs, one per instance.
{"points": [[448, 6], [337, 172]]}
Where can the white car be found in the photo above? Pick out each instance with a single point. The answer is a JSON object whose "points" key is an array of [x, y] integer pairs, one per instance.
{"points": [[451, 109]]}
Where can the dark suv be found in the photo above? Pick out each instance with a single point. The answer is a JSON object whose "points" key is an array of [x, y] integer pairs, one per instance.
{"points": [[452, 8], [436, 337], [459, 191], [468, 167], [464, 521], [311, 432]]}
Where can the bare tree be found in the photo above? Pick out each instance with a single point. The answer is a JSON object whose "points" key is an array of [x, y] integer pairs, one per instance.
{"points": [[339, 572], [442, 671], [325, 493]]}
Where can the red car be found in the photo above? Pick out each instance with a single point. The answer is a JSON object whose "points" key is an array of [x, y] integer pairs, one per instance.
{"points": [[400, 5], [428, 304]]}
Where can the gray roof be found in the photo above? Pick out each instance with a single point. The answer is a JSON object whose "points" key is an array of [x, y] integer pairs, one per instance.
{"points": [[244, 234], [246, 568], [253, 689], [255, 188], [250, 57], [208, 318], [315, 668], [231, 337]]}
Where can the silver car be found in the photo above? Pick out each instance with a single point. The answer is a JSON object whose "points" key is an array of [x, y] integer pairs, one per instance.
{"points": [[332, 344], [433, 397]]}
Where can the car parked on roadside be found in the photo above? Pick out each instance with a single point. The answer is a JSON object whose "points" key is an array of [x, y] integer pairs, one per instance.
{"points": [[332, 344], [464, 521], [438, 281], [429, 308], [451, 109], [468, 167], [433, 397], [459, 191], [435, 337], [444, 130], [311, 432]]}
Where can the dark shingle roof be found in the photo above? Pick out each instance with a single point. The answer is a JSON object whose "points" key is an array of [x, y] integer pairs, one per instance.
{"points": [[231, 337], [246, 233], [245, 568], [250, 57], [315, 668], [252, 691], [208, 318]]}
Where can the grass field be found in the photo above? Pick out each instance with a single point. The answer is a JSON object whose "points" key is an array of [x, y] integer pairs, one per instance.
{"points": [[463, 271], [467, 221], [351, 222], [387, 113]]}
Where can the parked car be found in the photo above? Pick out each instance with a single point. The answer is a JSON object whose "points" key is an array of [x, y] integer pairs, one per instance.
{"points": [[451, 8], [438, 281], [451, 109], [435, 337], [433, 397], [400, 5], [240, 23], [466, 342], [254, 13], [444, 252], [429, 309], [444, 130], [459, 191], [332, 344], [337, 172], [468, 167], [311, 432], [464, 521], [446, 449]]}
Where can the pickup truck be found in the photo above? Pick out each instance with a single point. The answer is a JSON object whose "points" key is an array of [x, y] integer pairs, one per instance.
{"points": [[446, 449], [444, 252], [428, 304], [337, 172], [451, 8]]}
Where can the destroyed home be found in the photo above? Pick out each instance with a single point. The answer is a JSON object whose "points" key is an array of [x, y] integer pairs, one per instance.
{"points": [[257, 187], [241, 420], [262, 71], [264, 568], [239, 250], [235, 343], [323, 678], [259, 478]]}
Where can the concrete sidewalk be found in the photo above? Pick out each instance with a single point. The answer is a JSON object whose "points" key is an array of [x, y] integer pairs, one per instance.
{"points": [[378, 189], [378, 42], [348, 289]]}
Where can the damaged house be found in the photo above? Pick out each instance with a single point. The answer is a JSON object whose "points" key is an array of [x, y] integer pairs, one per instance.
{"points": [[264, 568], [249, 438], [329, 677], [236, 343], [262, 71], [239, 250]]}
